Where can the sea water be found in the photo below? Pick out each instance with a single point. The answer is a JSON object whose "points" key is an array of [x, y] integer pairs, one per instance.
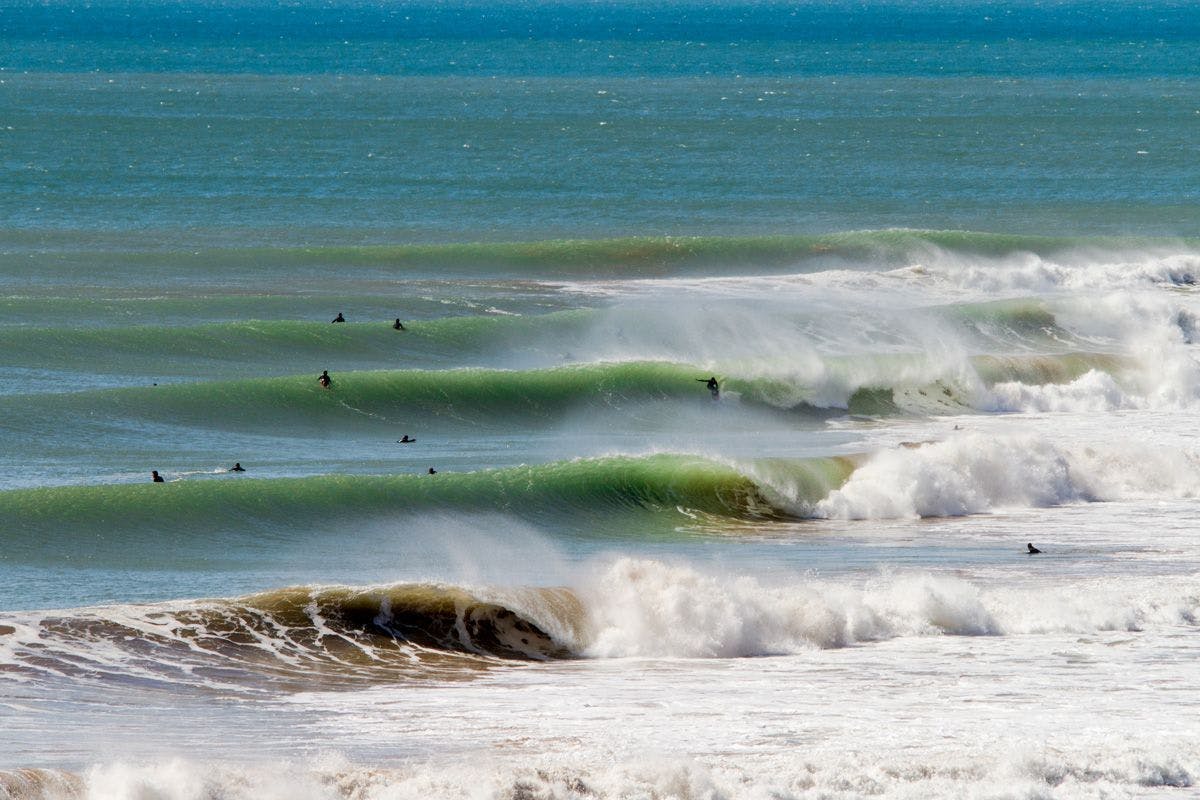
{"points": [[941, 258]]}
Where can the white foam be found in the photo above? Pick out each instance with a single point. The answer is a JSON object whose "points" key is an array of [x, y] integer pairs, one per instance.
{"points": [[641, 608], [975, 473], [1097, 769]]}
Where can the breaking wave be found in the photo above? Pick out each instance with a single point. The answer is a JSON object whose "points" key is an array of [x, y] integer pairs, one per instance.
{"points": [[303, 638]]}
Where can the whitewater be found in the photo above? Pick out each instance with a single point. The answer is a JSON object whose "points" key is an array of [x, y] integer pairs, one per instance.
{"points": [[940, 258]]}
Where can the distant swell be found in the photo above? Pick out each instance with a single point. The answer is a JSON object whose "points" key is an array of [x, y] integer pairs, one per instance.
{"points": [[634, 257]]}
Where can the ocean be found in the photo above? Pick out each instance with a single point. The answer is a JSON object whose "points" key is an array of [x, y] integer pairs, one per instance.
{"points": [[939, 257]]}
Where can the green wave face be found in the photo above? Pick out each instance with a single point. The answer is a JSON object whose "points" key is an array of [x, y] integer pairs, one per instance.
{"points": [[94, 520], [456, 399], [469, 399]]}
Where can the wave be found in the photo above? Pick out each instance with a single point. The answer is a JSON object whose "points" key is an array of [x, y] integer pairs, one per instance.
{"points": [[579, 494], [278, 346], [292, 639], [632, 257], [66, 359], [299, 638], [478, 399], [966, 473], [230, 348]]}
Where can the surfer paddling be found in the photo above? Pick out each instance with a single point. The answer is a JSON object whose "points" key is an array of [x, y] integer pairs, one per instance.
{"points": [[237, 467], [1032, 550], [405, 440], [712, 386], [154, 476], [324, 379], [339, 318], [398, 325]]}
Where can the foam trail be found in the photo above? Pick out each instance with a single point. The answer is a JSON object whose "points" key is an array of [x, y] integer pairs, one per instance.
{"points": [[1088, 770]]}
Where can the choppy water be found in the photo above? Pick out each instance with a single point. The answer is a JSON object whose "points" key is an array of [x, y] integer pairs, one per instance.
{"points": [[941, 259]]}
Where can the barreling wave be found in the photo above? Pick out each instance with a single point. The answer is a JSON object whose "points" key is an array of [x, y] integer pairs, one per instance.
{"points": [[295, 639], [582, 492], [306, 637], [967, 473]]}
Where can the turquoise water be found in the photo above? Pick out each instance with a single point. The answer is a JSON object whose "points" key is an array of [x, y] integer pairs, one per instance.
{"points": [[248, 125], [940, 257]]}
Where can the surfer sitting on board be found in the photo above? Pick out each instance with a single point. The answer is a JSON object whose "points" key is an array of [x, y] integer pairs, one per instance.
{"points": [[324, 379], [154, 476], [712, 385], [398, 325]]}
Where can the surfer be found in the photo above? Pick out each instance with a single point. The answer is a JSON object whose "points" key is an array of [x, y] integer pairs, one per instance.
{"points": [[398, 325], [154, 476], [339, 318], [405, 440], [324, 379], [712, 385], [1032, 549], [237, 467], [432, 471]]}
